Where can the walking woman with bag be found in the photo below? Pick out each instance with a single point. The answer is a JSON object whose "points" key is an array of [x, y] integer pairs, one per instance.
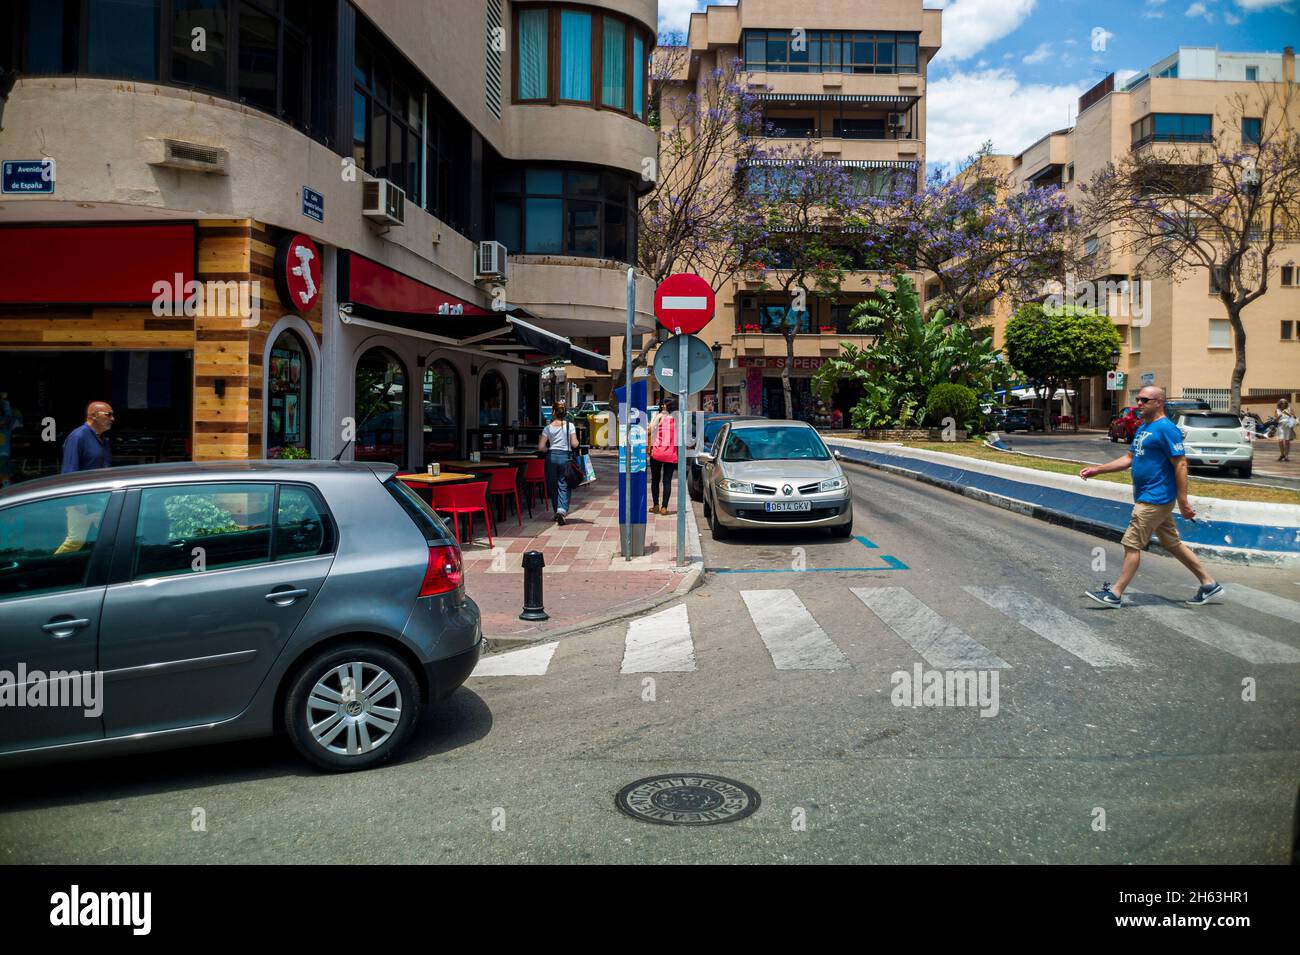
{"points": [[663, 455], [559, 440], [1285, 429]]}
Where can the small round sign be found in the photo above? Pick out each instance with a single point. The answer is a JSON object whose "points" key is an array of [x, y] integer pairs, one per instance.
{"points": [[298, 273], [684, 302], [687, 799]]}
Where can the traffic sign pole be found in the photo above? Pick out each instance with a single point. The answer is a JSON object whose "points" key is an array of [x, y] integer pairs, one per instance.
{"points": [[683, 382]]}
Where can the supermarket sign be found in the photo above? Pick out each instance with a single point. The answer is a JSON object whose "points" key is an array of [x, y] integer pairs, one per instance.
{"points": [[763, 361]]}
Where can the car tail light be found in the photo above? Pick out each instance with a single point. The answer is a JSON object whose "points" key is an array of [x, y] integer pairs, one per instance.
{"points": [[444, 572]]}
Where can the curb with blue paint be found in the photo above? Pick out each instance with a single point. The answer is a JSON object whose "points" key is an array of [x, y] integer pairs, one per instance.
{"points": [[1222, 540]]}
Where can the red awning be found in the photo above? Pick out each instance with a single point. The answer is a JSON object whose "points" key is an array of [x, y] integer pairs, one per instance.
{"points": [[375, 286]]}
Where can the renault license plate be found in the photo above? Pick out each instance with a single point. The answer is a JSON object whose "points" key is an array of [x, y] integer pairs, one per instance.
{"points": [[775, 506]]}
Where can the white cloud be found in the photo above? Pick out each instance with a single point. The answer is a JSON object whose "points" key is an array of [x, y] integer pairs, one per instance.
{"points": [[964, 109], [981, 64], [1199, 9], [971, 25], [1251, 5], [1039, 55], [1152, 10], [675, 15], [1230, 18]]}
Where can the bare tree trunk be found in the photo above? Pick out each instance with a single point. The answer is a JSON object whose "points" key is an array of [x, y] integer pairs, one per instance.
{"points": [[785, 374], [1239, 365]]}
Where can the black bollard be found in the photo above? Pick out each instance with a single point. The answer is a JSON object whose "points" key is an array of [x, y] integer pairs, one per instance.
{"points": [[533, 609]]}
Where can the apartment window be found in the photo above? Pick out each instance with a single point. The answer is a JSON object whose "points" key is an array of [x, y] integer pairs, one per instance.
{"points": [[1252, 74], [1218, 276], [864, 128], [1135, 338], [388, 116], [1250, 130], [829, 51], [1172, 128], [533, 38], [613, 51], [1220, 333], [570, 55], [495, 44], [204, 69], [770, 315], [122, 38], [1288, 275], [1069, 173], [549, 210], [792, 127], [1287, 328], [1090, 245], [1176, 180]]}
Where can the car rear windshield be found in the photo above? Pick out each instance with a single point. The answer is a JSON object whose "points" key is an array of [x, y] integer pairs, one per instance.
{"points": [[1211, 421], [417, 509], [775, 444]]}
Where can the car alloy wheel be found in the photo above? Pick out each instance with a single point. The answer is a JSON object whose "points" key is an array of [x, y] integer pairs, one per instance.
{"points": [[354, 708]]}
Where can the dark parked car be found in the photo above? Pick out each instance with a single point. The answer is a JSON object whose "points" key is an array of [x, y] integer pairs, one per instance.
{"points": [[1023, 419], [1175, 406], [713, 422], [1124, 425], [217, 601]]}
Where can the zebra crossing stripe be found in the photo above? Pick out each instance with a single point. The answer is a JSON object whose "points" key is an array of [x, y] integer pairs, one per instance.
{"points": [[1262, 601], [531, 662], [659, 643], [942, 644], [1055, 626], [792, 636], [1221, 636]]}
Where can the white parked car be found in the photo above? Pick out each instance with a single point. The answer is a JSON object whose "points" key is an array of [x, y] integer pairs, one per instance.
{"points": [[1216, 439]]}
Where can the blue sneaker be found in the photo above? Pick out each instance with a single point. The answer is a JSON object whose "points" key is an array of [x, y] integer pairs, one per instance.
{"points": [[1204, 594], [1106, 597]]}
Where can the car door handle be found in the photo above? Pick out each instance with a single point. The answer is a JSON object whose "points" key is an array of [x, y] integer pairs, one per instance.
{"points": [[286, 597], [64, 628]]}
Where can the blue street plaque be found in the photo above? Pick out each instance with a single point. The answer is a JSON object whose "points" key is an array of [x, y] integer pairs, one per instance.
{"points": [[313, 204], [27, 177]]}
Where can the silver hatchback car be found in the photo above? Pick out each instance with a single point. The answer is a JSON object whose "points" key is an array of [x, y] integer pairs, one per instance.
{"points": [[143, 608], [764, 473]]}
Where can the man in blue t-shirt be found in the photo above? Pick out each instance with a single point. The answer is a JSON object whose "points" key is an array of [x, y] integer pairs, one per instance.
{"points": [[86, 447], [1159, 481]]}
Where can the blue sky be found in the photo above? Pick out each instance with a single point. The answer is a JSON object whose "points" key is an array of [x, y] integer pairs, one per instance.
{"points": [[1012, 70]]}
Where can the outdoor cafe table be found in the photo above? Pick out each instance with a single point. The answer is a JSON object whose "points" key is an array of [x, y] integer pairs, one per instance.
{"points": [[431, 479]]}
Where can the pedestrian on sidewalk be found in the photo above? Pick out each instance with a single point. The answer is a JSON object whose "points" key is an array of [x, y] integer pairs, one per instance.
{"points": [[560, 441], [1285, 429], [1159, 481], [663, 455], [86, 446]]}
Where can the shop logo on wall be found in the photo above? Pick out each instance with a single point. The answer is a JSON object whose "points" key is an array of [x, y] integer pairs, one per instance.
{"points": [[298, 273]]}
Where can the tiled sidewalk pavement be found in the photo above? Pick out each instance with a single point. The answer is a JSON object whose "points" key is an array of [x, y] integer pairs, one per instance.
{"points": [[585, 577]]}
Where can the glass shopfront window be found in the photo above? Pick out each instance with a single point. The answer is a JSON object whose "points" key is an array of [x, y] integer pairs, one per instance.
{"points": [[492, 401], [381, 408], [442, 411], [288, 396]]}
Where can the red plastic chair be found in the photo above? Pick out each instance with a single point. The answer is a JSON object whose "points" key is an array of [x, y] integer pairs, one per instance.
{"points": [[467, 499], [535, 475], [502, 483]]}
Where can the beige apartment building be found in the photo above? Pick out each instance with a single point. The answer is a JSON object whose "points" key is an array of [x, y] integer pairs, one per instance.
{"points": [[423, 206], [1176, 333], [850, 77]]}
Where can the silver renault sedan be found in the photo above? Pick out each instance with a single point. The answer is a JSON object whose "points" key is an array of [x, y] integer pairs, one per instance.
{"points": [[764, 473], [149, 607]]}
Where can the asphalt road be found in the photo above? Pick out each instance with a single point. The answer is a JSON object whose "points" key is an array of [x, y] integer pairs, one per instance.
{"points": [[1130, 717], [1096, 448]]}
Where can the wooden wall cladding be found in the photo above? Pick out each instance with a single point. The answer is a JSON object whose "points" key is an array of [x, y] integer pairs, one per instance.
{"points": [[225, 347]]}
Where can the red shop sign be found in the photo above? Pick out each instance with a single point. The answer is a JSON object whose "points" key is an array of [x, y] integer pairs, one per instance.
{"points": [[298, 273]]}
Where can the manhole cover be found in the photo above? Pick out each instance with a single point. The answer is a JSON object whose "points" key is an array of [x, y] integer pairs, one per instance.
{"points": [[687, 799]]}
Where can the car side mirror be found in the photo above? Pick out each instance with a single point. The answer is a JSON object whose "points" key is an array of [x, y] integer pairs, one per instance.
{"points": [[705, 456], [838, 456]]}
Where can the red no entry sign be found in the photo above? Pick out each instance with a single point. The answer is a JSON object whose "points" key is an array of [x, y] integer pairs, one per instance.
{"points": [[684, 302]]}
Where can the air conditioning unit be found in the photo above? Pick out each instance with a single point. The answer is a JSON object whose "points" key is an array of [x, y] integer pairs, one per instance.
{"points": [[897, 120], [382, 201], [191, 157], [491, 262]]}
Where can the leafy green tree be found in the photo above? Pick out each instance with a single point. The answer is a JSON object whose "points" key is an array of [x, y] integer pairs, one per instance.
{"points": [[911, 354], [1057, 346], [952, 401]]}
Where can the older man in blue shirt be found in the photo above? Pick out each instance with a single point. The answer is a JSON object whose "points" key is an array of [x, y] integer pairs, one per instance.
{"points": [[1159, 483], [87, 447]]}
